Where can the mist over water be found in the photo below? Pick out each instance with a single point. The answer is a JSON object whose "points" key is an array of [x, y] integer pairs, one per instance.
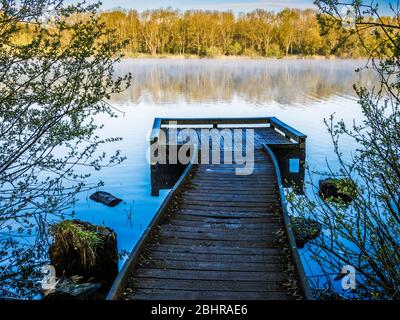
{"points": [[163, 81]]}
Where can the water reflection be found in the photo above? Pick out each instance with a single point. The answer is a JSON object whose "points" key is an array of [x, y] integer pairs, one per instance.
{"points": [[301, 93], [257, 81]]}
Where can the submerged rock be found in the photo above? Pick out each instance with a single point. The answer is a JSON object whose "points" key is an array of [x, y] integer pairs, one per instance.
{"points": [[72, 288], [326, 294], [105, 198], [337, 190], [305, 230], [83, 249]]}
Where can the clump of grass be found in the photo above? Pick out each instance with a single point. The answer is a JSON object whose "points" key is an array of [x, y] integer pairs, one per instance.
{"points": [[346, 187], [70, 236], [345, 190]]}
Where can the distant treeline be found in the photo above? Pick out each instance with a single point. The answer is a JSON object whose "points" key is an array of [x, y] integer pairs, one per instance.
{"points": [[212, 33]]}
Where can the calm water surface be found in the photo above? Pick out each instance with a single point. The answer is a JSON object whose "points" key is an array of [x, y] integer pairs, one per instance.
{"points": [[299, 92]]}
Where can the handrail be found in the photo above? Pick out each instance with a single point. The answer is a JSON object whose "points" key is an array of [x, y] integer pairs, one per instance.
{"points": [[274, 122], [304, 285], [133, 258], [155, 131], [211, 121], [287, 130]]}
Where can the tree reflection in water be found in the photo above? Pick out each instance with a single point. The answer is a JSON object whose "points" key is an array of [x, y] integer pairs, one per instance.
{"points": [[259, 81]]}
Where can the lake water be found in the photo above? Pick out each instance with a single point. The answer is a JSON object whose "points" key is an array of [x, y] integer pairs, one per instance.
{"points": [[299, 92]]}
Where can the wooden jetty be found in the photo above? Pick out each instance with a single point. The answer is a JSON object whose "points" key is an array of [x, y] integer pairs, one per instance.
{"points": [[220, 235]]}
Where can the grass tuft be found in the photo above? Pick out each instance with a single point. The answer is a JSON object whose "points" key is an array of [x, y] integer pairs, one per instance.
{"points": [[69, 236]]}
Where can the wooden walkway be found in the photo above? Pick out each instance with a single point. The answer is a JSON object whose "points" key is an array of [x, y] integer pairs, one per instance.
{"points": [[222, 236]]}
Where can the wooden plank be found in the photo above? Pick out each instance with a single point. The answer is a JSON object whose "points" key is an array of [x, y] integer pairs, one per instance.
{"points": [[249, 199], [225, 213], [222, 266], [231, 205], [257, 180], [271, 136], [203, 207], [157, 294], [221, 226], [236, 163], [232, 166], [219, 236], [263, 217], [224, 231], [214, 220], [206, 285], [241, 195], [243, 228], [236, 183], [264, 180], [261, 176], [237, 193], [211, 275], [220, 240], [220, 250], [216, 243], [229, 189], [208, 257], [232, 186]]}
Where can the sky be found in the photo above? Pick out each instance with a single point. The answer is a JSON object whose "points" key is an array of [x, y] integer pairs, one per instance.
{"points": [[221, 5], [236, 6]]}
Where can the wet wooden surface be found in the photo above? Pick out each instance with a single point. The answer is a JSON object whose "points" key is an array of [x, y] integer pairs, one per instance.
{"points": [[220, 238], [263, 134]]}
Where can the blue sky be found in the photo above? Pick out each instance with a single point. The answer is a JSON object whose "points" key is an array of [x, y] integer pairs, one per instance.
{"points": [[234, 5]]}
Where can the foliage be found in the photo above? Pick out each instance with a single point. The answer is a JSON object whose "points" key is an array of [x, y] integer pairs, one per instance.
{"points": [[169, 31], [56, 73], [275, 51], [213, 52], [69, 236], [365, 235], [291, 31], [344, 191], [248, 52], [235, 49]]}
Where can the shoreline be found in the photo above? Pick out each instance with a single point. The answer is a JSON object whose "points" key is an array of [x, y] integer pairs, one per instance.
{"points": [[225, 57]]}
